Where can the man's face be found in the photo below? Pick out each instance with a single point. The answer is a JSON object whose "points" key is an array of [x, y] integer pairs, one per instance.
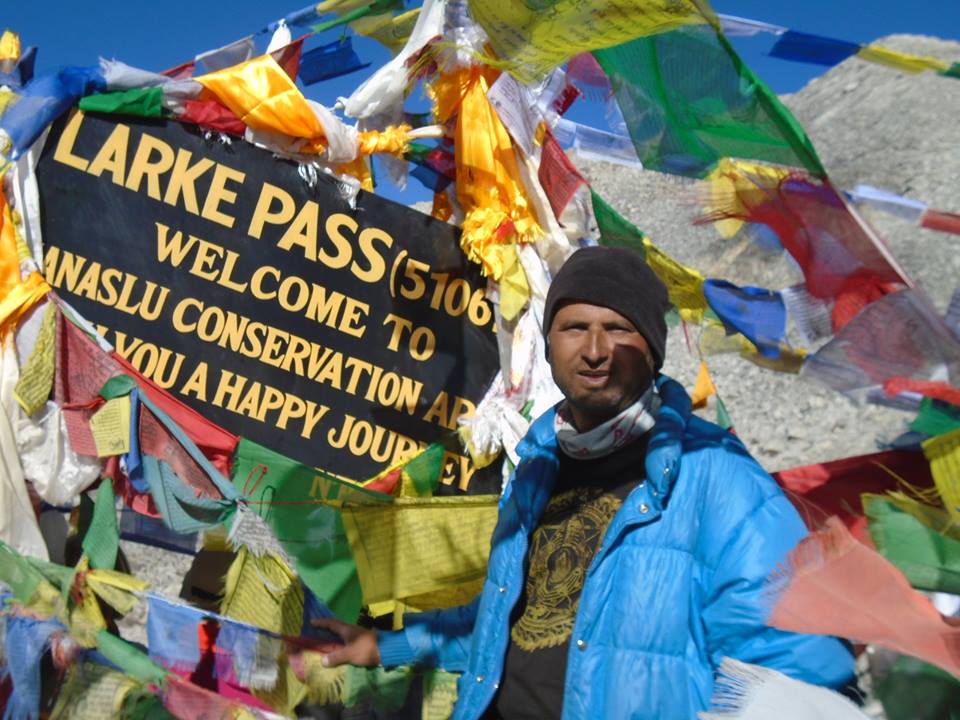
{"points": [[599, 361]]}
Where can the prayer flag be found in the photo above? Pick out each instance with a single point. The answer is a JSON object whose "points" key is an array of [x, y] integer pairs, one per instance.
{"points": [[914, 690], [19, 72], [901, 61], [264, 97], [393, 33], [757, 313], [102, 540], [943, 221], [211, 114], [146, 530], [329, 61], [840, 258], [943, 452], [43, 100], [416, 546], [288, 56], [139, 102], [26, 639], [834, 488], [834, 585], [227, 56], [918, 539], [936, 418], [530, 39], [689, 100], [803, 47], [896, 337], [300, 504]]}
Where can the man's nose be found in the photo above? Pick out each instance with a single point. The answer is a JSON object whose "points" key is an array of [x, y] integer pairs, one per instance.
{"points": [[596, 349]]}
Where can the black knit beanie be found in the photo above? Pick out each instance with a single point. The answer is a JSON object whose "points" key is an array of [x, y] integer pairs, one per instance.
{"points": [[616, 278]]}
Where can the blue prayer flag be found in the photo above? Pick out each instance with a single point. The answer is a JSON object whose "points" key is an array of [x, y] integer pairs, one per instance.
{"points": [[329, 61], [757, 313], [44, 100], [793, 45]]}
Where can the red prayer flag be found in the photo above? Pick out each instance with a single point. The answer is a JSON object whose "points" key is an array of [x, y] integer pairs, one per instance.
{"points": [[217, 444], [288, 57], [82, 370], [942, 221], [833, 488], [182, 71], [834, 585], [840, 258], [211, 114], [558, 176]]}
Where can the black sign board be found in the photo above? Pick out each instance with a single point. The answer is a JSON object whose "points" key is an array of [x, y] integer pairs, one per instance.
{"points": [[340, 336]]}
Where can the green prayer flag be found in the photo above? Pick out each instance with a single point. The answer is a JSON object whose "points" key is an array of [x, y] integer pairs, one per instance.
{"points": [[424, 469], [144, 705], [386, 689], [936, 418], [378, 7], [301, 506], [117, 386], [102, 539], [129, 659], [616, 230], [417, 152], [689, 100], [140, 102], [952, 71], [917, 539], [18, 574], [723, 418], [914, 690]]}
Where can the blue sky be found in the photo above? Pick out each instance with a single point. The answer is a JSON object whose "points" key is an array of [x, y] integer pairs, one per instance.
{"points": [[158, 35]]}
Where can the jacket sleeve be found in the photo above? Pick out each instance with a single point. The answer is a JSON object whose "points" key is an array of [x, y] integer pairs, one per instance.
{"points": [[438, 638], [738, 603]]}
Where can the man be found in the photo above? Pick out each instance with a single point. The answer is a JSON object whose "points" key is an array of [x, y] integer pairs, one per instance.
{"points": [[633, 542]]}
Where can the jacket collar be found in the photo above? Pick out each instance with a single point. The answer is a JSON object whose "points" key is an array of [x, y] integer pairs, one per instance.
{"points": [[662, 463]]}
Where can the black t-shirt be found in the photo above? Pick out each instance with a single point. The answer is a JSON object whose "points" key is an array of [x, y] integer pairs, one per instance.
{"points": [[587, 495]]}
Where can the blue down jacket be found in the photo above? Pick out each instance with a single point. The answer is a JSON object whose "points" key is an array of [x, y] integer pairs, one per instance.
{"points": [[676, 586]]}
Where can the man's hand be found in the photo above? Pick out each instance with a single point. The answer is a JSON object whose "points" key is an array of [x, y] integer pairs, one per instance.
{"points": [[359, 644]]}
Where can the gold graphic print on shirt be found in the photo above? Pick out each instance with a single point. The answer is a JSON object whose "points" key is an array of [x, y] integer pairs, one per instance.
{"points": [[561, 549]]}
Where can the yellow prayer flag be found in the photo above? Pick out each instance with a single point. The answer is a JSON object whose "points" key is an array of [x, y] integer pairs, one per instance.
{"points": [[110, 426], [420, 545], [116, 588], [264, 97], [7, 98], [532, 38], [339, 6], [732, 182], [20, 299], [9, 257], [497, 212], [684, 285], [943, 452], [265, 592], [901, 61], [391, 32], [36, 376], [92, 692], [703, 388], [9, 46]]}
